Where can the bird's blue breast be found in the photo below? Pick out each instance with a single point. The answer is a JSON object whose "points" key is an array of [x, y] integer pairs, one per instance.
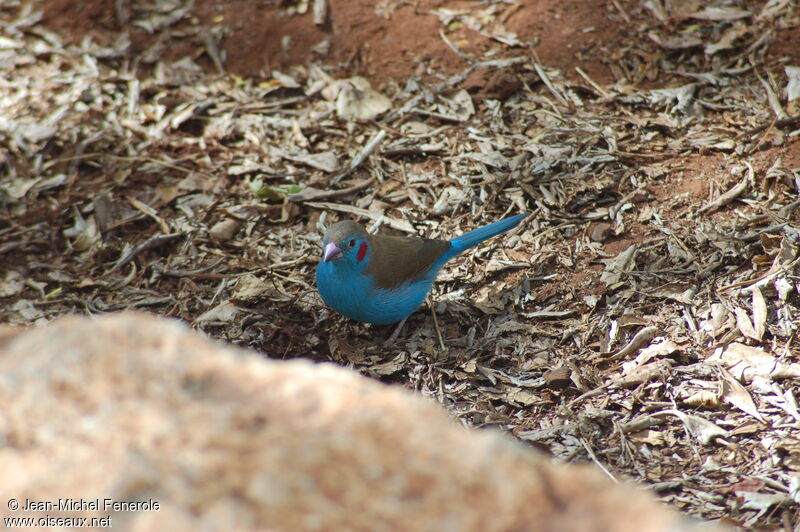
{"points": [[356, 296]]}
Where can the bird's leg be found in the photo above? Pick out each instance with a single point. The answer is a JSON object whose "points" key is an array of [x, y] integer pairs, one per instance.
{"points": [[395, 334], [436, 324]]}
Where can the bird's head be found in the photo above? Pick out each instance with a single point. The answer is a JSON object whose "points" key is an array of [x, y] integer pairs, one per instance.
{"points": [[347, 242]]}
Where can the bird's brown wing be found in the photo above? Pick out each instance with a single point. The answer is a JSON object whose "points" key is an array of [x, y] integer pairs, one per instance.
{"points": [[396, 259]]}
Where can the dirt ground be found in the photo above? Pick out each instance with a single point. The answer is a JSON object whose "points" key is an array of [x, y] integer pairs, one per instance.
{"points": [[184, 158], [393, 40]]}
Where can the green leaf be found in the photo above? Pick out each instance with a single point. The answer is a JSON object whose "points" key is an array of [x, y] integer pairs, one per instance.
{"points": [[272, 193]]}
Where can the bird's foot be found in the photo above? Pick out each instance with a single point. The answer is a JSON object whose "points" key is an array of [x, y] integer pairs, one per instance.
{"points": [[395, 334]]}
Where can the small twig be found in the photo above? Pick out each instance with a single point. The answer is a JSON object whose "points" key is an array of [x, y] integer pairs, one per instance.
{"points": [[452, 81], [622, 12], [373, 143], [201, 273], [493, 63], [591, 393], [412, 150], [400, 225], [124, 221], [549, 84], [591, 82], [211, 41], [769, 274], [789, 121], [455, 48], [770, 228], [150, 243], [590, 452], [641, 423], [390, 341], [727, 197], [376, 139], [287, 263], [496, 191], [640, 339], [147, 210], [313, 194], [772, 98], [132, 158]]}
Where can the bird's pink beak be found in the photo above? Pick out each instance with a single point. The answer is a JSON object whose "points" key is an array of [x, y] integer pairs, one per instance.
{"points": [[331, 252]]}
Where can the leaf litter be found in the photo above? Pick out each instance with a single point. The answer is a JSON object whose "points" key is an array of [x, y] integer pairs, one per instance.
{"points": [[644, 318]]}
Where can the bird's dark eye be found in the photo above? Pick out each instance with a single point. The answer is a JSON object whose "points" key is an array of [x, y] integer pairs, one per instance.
{"points": [[352, 243]]}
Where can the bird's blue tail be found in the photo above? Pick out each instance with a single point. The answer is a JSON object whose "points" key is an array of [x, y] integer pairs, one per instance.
{"points": [[475, 237]]}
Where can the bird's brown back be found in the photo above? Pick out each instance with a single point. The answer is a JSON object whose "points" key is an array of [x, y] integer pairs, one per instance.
{"points": [[396, 259]]}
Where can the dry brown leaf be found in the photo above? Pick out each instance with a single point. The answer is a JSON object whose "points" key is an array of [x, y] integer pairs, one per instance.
{"points": [[398, 363], [719, 319], [249, 288], [761, 501], [224, 230], [725, 13], [357, 100], [641, 338], [793, 86], [646, 373], [745, 362], [728, 196], [675, 42], [461, 105], [224, 312], [619, 266], [726, 42], [702, 429], [790, 447], [660, 349], [648, 436], [489, 298], [738, 396], [84, 231], [524, 397], [759, 313], [395, 223], [703, 399], [325, 161], [744, 324], [12, 284]]}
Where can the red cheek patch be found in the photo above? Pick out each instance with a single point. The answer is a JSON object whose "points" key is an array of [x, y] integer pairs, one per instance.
{"points": [[362, 251]]}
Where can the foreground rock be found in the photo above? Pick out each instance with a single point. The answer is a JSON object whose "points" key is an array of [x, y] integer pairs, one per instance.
{"points": [[191, 435]]}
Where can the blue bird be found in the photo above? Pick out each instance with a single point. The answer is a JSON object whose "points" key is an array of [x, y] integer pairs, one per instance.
{"points": [[383, 279]]}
